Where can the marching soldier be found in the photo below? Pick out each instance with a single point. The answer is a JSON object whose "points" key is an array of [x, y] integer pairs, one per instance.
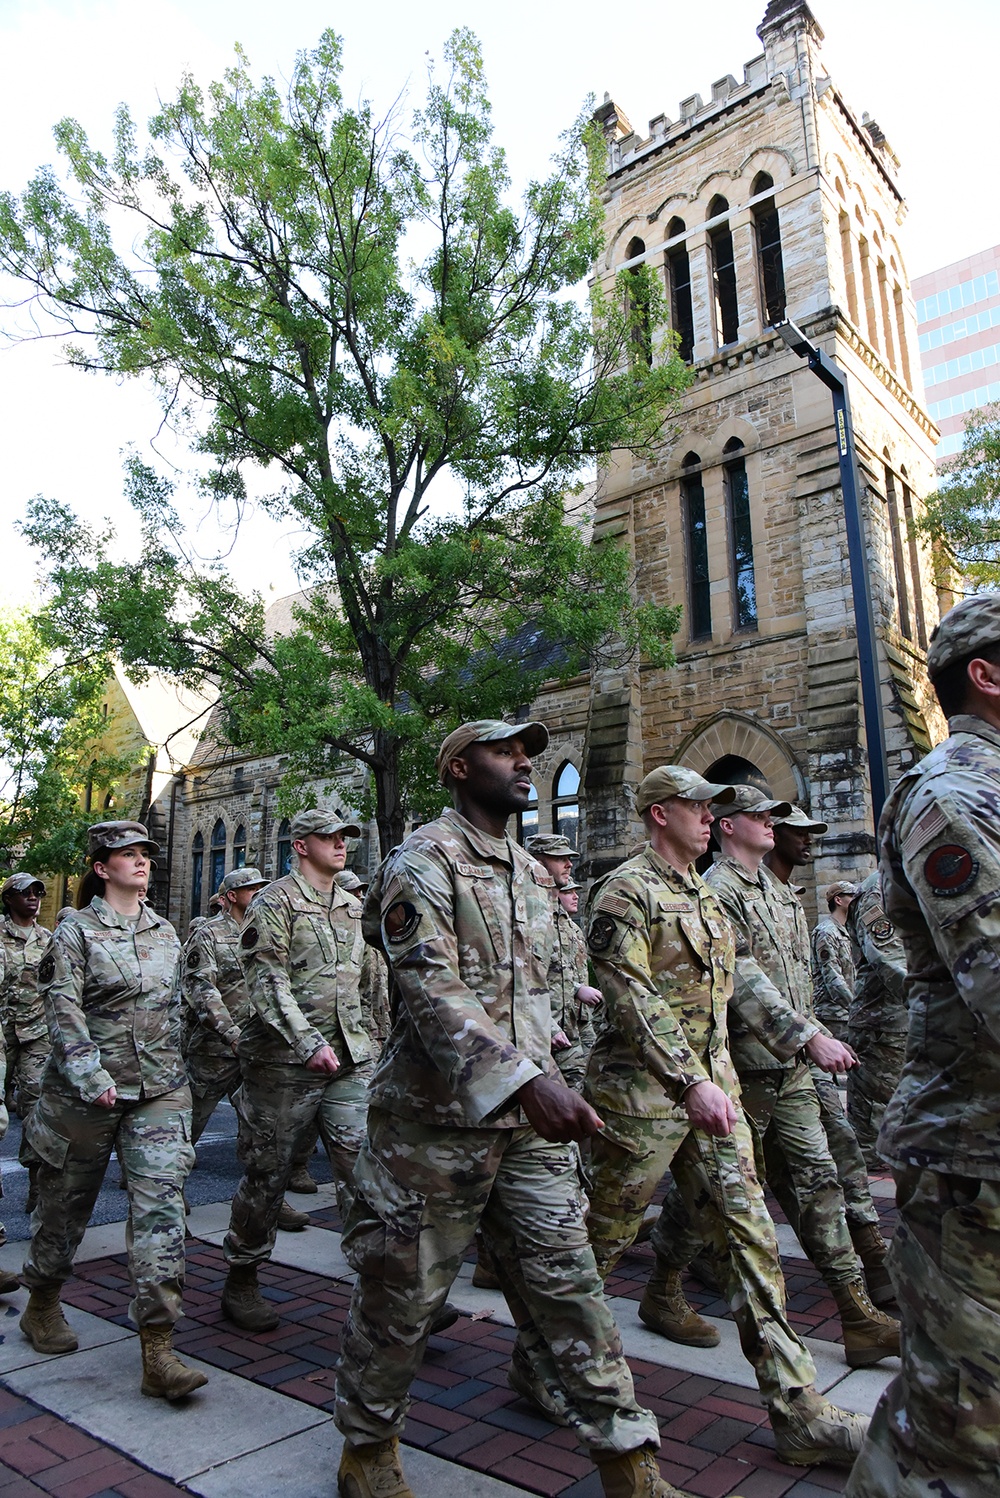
{"points": [[878, 1019], [25, 1033], [572, 996], [833, 959]]}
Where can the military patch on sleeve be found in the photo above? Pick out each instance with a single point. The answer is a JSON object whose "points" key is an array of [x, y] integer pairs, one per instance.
{"points": [[881, 929], [194, 959], [950, 870], [602, 929], [400, 921], [250, 938], [47, 968]]}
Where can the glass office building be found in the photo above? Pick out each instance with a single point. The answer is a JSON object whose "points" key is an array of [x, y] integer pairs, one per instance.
{"points": [[958, 326]]}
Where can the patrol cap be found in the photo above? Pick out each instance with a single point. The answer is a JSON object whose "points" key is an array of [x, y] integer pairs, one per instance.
{"points": [[566, 888], [534, 736], [550, 845], [839, 887], [748, 798], [973, 624], [21, 883], [306, 823], [798, 818], [115, 835], [241, 879], [674, 780], [348, 879]]}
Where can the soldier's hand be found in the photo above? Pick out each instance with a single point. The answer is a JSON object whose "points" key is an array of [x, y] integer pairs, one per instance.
{"points": [[323, 1060], [556, 1112], [589, 996], [829, 1054], [106, 1099], [710, 1109], [560, 1041]]}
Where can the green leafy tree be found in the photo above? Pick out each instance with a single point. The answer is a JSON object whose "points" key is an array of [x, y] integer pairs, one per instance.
{"points": [[51, 767], [367, 318], [963, 515]]}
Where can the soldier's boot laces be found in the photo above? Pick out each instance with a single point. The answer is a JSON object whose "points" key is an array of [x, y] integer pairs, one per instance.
{"points": [[871, 1248], [869, 1334], [372, 1471], [524, 1381], [301, 1180], [290, 1220], [665, 1309], [808, 1429], [44, 1324], [243, 1303], [635, 1474], [164, 1376]]}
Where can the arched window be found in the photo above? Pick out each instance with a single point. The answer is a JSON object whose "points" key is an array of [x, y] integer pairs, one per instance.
{"points": [[679, 274], [699, 594], [637, 307], [918, 591], [217, 867], [197, 862], [284, 859], [239, 847], [740, 536], [731, 769], [847, 253], [527, 820], [727, 312], [566, 803], [772, 270]]}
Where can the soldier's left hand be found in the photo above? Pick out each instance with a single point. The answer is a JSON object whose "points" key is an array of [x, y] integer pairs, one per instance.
{"points": [[323, 1060], [556, 1112], [560, 1041], [589, 996], [829, 1054]]}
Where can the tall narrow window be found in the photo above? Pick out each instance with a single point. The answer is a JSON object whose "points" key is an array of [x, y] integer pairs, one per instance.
{"points": [[218, 862], [197, 862], [239, 847], [283, 861], [883, 297], [847, 251], [904, 352], [566, 803], [640, 331], [741, 537], [699, 595], [772, 270], [527, 820], [898, 556], [681, 310], [866, 289], [918, 590], [727, 312]]}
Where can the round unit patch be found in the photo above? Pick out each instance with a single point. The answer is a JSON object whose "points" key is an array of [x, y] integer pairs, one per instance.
{"points": [[601, 931], [401, 920], [47, 968], [250, 938], [950, 870], [194, 960], [882, 929]]}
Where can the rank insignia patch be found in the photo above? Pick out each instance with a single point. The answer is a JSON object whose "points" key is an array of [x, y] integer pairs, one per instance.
{"points": [[950, 870]]}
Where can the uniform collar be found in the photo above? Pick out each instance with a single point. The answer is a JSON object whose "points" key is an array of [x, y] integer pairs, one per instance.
{"points": [[319, 896], [685, 881], [109, 917], [970, 723], [19, 933], [758, 880], [481, 842]]}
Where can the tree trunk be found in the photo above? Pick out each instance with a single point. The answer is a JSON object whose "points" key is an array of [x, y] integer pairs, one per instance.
{"points": [[390, 813]]}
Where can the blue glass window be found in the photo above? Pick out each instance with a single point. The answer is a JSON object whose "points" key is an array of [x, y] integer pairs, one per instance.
{"points": [[741, 541]]}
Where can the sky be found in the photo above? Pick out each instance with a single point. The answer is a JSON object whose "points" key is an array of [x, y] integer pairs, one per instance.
{"points": [[915, 68]]}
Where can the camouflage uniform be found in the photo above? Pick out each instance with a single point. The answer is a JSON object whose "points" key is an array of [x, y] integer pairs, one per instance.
{"points": [[466, 922], [573, 1018], [216, 1007], [304, 958], [878, 1018], [936, 1429], [665, 958], [832, 975], [111, 994], [25, 1035]]}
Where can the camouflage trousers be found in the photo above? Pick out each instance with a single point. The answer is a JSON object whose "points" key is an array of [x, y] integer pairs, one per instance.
{"points": [[72, 1142], [572, 1064], [280, 1104], [25, 1063], [212, 1077], [852, 1171], [936, 1429], [721, 1195], [421, 1193], [871, 1084]]}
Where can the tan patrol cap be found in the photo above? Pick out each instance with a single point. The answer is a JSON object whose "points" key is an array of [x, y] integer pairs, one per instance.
{"points": [[798, 818], [115, 835], [973, 624], [348, 879], [550, 845], [674, 780], [748, 798], [22, 883], [839, 887], [307, 823], [241, 879], [534, 737], [569, 886]]}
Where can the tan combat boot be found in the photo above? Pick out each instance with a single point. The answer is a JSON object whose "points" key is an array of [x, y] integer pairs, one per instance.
{"points": [[164, 1376], [301, 1180], [664, 1309], [871, 1248], [8, 1282], [243, 1303], [808, 1430], [372, 1471], [869, 1334], [634, 1474], [44, 1324], [484, 1276], [291, 1220]]}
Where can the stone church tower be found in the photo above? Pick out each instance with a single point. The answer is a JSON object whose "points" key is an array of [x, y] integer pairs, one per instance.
{"points": [[771, 199]]}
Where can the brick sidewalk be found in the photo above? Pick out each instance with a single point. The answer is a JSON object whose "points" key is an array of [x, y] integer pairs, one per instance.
{"points": [[42, 1456]]}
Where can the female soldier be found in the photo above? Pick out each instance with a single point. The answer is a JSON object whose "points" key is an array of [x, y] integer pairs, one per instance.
{"points": [[110, 983]]}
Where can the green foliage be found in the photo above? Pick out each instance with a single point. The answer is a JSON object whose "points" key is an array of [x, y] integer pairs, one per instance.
{"points": [[963, 516], [370, 320], [50, 718]]}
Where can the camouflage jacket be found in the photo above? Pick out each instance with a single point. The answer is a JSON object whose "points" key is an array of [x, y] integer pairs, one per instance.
{"points": [[214, 989], [832, 974], [465, 920], [665, 957], [112, 1003], [568, 971], [21, 1007], [940, 845], [879, 992], [304, 956], [772, 942]]}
